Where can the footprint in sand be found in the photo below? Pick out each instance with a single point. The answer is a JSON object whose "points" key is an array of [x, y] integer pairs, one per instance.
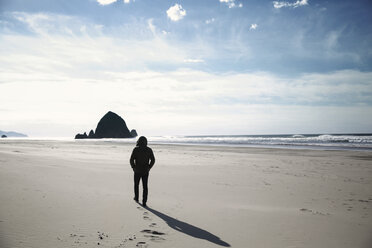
{"points": [[154, 238], [313, 212], [75, 238], [142, 244], [153, 235], [130, 238], [152, 232], [145, 216]]}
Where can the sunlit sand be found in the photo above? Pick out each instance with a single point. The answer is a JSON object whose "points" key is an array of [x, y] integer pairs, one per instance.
{"points": [[80, 194]]}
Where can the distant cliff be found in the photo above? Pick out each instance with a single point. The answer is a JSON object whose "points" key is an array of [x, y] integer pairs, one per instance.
{"points": [[111, 125], [12, 134]]}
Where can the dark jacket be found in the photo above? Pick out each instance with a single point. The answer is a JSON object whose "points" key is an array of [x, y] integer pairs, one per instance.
{"points": [[142, 159]]}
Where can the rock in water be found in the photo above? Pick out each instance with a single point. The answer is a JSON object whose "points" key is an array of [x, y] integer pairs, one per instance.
{"points": [[133, 132], [91, 134], [81, 136], [4, 136], [112, 126]]}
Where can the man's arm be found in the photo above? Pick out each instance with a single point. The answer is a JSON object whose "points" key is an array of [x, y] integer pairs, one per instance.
{"points": [[152, 159], [132, 160]]}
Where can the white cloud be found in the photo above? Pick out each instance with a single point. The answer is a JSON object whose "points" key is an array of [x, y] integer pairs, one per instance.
{"points": [[151, 26], [232, 4], [35, 22], [83, 29], [253, 26], [281, 4], [209, 21], [45, 24], [106, 2], [142, 44], [176, 12], [193, 60], [154, 29]]}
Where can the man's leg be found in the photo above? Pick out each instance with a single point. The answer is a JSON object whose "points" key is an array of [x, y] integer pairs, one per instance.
{"points": [[137, 178], [145, 178]]}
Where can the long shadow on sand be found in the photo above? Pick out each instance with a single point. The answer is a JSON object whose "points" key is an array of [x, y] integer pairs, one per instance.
{"points": [[189, 229]]}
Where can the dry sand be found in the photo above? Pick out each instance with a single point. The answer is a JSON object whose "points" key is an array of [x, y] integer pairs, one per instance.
{"points": [[79, 194]]}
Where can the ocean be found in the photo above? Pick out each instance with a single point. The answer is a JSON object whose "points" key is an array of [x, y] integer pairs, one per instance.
{"points": [[361, 141]]}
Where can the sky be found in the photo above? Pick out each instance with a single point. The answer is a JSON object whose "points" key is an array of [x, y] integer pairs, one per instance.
{"points": [[186, 67]]}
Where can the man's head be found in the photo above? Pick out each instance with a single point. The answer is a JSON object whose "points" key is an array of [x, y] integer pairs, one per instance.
{"points": [[142, 141]]}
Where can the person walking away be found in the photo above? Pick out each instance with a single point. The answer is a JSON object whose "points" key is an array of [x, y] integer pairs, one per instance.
{"points": [[141, 161]]}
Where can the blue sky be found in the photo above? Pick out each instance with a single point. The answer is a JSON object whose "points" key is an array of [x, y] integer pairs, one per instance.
{"points": [[186, 67]]}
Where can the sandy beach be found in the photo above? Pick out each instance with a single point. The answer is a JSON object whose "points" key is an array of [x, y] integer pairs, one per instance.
{"points": [[80, 194]]}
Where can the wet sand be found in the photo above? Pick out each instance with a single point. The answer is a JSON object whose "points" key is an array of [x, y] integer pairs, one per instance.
{"points": [[79, 194]]}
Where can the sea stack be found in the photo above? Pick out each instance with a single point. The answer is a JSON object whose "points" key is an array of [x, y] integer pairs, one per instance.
{"points": [[91, 134], [111, 125], [133, 132], [81, 136]]}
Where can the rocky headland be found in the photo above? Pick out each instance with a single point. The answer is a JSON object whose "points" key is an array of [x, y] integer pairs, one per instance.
{"points": [[5, 134]]}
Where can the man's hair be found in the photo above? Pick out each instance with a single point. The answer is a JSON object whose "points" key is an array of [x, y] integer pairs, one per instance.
{"points": [[142, 141]]}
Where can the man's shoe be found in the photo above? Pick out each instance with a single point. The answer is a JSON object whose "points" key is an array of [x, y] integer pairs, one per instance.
{"points": [[135, 199], [144, 204]]}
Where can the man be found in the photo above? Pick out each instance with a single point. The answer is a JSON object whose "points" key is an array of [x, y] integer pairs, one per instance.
{"points": [[141, 160]]}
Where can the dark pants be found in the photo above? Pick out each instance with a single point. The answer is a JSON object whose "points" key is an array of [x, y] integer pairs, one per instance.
{"points": [[137, 178]]}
